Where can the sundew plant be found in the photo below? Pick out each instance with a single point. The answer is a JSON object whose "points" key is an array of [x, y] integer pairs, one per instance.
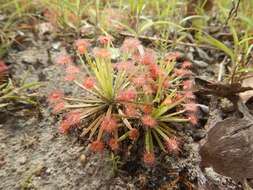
{"points": [[138, 97]]}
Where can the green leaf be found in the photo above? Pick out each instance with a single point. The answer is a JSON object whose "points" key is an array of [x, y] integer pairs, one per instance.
{"points": [[192, 17], [246, 70], [249, 50], [158, 140], [164, 108], [216, 43]]}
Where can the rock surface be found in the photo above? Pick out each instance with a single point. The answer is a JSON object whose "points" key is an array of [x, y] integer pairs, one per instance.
{"points": [[229, 148]]}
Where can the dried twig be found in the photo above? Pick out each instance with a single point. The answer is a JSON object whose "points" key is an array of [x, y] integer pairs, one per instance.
{"points": [[233, 11]]}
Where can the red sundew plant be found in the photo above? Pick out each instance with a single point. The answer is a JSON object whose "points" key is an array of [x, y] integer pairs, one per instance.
{"points": [[81, 46], [145, 103]]}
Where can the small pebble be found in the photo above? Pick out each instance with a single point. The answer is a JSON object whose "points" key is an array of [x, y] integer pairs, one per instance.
{"points": [[82, 159], [56, 45], [22, 160], [40, 169]]}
